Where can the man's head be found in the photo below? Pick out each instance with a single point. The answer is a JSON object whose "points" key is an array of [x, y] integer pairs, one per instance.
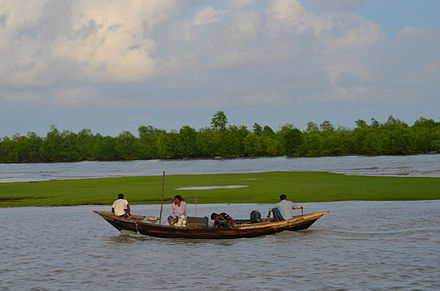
{"points": [[214, 215], [283, 197], [121, 196], [178, 197]]}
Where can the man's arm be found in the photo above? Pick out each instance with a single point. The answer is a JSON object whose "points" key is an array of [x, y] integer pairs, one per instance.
{"points": [[270, 210], [113, 210], [128, 208]]}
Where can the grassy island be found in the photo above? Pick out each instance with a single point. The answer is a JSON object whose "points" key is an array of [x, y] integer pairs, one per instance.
{"points": [[255, 188]]}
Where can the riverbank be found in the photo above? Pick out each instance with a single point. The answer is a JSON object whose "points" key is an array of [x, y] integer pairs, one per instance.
{"points": [[220, 188]]}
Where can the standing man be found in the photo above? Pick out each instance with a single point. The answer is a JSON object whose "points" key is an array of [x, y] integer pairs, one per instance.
{"points": [[284, 209], [121, 207]]}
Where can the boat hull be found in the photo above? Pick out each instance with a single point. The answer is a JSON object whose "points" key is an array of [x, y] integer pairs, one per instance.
{"points": [[239, 231]]}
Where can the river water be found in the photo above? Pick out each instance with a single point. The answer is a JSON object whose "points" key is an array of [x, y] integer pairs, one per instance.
{"points": [[411, 166], [357, 246]]}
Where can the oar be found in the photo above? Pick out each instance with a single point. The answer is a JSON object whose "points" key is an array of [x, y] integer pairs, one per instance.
{"points": [[195, 201]]}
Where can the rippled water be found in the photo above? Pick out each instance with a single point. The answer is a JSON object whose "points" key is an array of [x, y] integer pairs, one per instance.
{"points": [[415, 166], [358, 245]]}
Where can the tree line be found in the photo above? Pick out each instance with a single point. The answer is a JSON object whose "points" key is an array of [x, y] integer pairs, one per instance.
{"points": [[392, 137]]}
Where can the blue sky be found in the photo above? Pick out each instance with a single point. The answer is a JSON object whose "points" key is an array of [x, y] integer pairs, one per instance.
{"points": [[393, 15], [117, 65]]}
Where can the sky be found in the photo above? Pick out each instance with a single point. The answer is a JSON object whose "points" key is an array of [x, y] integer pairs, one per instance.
{"points": [[112, 66]]}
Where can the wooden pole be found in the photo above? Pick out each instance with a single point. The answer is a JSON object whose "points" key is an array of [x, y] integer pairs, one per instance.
{"points": [[163, 192], [195, 201]]}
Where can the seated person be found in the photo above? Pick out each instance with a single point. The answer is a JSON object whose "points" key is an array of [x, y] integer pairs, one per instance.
{"points": [[283, 210], [178, 208], [222, 220], [121, 207]]}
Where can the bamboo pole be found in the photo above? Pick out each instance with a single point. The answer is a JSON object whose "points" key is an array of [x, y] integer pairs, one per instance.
{"points": [[163, 191], [195, 201]]}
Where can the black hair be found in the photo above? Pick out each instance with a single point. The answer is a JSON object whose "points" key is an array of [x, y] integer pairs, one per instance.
{"points": [[121, 196], [282, 197], [214, 215], [178, 197]]}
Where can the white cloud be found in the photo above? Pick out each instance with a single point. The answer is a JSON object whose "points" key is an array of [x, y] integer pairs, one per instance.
{"points": [[247, 24], [241, 3], [285, 52], [208, 15], [97, 42], [291, 14], [111, 41], [337, 41], [17, 15], [20, 50]]}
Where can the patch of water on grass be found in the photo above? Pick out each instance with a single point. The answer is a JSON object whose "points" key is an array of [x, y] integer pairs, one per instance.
{"points": [[212, 187]]}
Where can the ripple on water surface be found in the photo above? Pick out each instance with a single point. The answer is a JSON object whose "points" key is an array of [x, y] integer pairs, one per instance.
{"points": [[358, 245]]}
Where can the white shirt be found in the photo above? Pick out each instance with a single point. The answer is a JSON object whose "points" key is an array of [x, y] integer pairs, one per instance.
{"points": [[285, 208], [119, 206]]}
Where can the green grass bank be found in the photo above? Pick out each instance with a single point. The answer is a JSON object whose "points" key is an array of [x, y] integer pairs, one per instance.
{"points": [[261, 188]]}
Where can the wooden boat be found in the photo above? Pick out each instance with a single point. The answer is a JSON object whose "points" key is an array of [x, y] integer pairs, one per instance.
{"points": [[198, 227]]}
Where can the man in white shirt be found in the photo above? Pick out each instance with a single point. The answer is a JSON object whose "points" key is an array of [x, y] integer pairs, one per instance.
{"points": [[285, 208], [121, 207]]}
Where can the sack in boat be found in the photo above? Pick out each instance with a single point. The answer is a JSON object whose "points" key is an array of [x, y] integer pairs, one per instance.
{"points": [[223, 220], [277, 215], [181, 221], [255, 216]]}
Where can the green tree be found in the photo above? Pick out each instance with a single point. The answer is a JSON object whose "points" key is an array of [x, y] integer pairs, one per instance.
{"points": [[126, 146], [7, 154], [53, 145], [253, 145], [168, 146], [271, 145], [208, 142], [85, 142], [148, 136], [104, 149], [219, 121], [291, 140], [188, 141], [268, 131], [258, 130], [230, 142], [28, 148], [312, 145], [326, 126], [312, 127]]}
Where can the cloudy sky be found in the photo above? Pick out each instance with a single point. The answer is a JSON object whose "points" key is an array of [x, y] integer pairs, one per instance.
{"points": [[114, 65]]}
